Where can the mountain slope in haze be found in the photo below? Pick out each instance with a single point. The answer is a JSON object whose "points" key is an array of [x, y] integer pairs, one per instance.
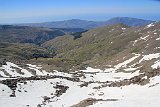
{"points": [[36, 35], [76, 23], [128, 21], [73, 23]]}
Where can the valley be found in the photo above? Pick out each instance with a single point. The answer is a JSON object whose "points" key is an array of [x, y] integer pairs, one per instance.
{"points": [[115, 65]]}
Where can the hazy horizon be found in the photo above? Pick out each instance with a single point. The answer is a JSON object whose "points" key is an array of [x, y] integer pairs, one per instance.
{"points": [[29, 11]]}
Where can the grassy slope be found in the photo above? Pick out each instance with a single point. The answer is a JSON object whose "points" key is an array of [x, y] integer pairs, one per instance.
{"points": [[22, 51], [99, 45], [95, 44]]}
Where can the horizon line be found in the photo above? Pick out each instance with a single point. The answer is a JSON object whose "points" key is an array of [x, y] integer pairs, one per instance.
{"points": [[67, 19]]}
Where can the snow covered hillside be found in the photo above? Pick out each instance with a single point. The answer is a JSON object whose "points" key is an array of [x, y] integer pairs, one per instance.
{"points": [[120, 85]]}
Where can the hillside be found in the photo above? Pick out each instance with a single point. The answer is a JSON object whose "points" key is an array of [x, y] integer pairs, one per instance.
{"points": [[17, 51], [98, 46], [36, 35], [90, 43], [77, 23]]}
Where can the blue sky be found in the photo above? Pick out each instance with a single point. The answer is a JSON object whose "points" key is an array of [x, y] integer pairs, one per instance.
{"points": [[24, 11]]}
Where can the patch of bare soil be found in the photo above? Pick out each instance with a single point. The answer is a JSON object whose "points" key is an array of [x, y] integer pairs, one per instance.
{"points": [[90, 101], [60, 89]]}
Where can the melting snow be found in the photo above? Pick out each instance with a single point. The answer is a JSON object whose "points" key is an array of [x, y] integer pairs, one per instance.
{"points": [[89, 69], [155, 33], [141, 38], [150, 25], [158, 38], [124, 64], [112, 76], [157, 48], [131, 96], [156, 65], [150, 57], [32, 93], [144, 38], [11, 70]]}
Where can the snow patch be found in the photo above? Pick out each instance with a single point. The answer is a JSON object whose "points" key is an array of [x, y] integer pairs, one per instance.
{"points": [[89, 69], [157, 48], [124, 64], [156, 65], [131, 96], [158, 38], [150, 57], [150, 25]]}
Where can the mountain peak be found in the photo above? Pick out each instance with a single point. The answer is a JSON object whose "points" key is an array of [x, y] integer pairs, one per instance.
{"points": [[128, 21]]}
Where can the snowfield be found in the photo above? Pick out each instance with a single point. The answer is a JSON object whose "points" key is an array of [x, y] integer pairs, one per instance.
{"points": [[30, 86], [133, 95]]}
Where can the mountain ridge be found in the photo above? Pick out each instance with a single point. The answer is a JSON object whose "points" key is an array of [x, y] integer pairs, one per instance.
{"points": [[85, 24]]}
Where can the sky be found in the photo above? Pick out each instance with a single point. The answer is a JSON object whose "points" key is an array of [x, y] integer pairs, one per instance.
{"points": [[33, 11]]}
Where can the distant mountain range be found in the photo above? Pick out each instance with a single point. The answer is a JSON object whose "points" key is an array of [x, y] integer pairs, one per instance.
{"points": [[77, 23]]}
